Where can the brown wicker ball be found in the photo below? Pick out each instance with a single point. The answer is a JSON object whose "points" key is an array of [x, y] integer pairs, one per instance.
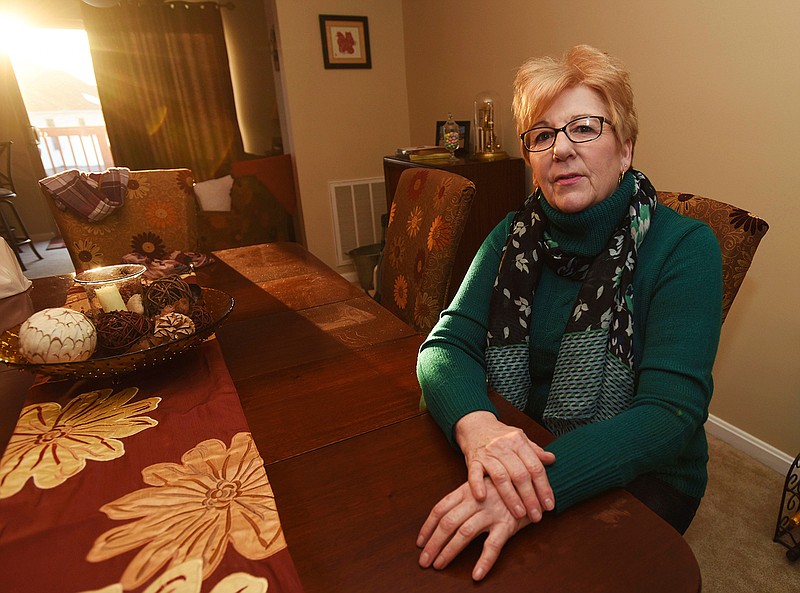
{"points": [[117, 331], [166, 292], [201, 316]]}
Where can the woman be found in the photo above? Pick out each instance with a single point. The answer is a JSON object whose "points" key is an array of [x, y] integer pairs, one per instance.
{"points": [[591, 309]]}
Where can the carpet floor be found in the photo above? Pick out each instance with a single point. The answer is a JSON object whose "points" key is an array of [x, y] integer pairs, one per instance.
{"points": [[54, 262], [731, 535]]}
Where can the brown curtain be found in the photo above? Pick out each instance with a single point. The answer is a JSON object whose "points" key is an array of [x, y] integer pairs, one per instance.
{"points": [[165, 85], [26, 164]]}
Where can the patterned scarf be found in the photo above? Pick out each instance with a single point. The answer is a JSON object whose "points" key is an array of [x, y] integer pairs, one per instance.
{"points": [[594, 376]]}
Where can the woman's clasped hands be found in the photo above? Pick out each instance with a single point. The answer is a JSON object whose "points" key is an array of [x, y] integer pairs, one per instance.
{"points": [[506, 489]]}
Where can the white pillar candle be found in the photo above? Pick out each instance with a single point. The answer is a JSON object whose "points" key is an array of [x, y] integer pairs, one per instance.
{"points": [[110, 299]]}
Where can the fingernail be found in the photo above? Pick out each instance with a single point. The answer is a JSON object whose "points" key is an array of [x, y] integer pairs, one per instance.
{"points": [[548, 504], [420, 541], [535, 515], [478, 574], [424, 558], [519, 511]]}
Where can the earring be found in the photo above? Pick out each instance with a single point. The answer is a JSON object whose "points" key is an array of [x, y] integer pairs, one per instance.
{"points": [[621, 175]]}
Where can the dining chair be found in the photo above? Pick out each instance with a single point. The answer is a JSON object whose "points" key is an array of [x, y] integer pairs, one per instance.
{"points": [[427, 217], [158, 217], [738, 231], [12, 227]]}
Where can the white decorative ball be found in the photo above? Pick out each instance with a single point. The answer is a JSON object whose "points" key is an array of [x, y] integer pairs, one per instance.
{"points": [[135, 304], [57, 335], [171, 327]]}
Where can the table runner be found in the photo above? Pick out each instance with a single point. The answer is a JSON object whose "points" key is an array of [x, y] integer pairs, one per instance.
{"points": [[148, 483]]}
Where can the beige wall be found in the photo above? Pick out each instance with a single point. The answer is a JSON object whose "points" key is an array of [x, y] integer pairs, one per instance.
{"points": [[716, 86], [341, 122]]}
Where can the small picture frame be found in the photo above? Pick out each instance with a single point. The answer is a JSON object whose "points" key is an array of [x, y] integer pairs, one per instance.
{"points": [[463, 128], [345, 41]]}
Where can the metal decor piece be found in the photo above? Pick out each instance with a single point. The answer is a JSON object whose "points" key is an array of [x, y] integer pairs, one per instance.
{"points": [[787, 530]]}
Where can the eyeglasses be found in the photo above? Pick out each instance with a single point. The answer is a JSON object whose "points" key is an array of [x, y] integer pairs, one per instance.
{"points": [[579, 130]]}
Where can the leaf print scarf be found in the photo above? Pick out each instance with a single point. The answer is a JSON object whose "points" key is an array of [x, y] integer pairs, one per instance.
{"points": [[594, 376]]}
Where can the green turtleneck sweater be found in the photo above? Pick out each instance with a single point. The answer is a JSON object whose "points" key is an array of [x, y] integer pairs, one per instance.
{"points": [[677, 288]]}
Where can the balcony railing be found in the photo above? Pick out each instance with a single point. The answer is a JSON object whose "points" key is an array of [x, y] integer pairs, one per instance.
{"points": [[83, 148]]}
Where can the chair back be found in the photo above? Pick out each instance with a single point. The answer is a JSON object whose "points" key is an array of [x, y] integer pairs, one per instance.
{"points": [[6, 181], [159, 216], [426, 220], [738, 231]]}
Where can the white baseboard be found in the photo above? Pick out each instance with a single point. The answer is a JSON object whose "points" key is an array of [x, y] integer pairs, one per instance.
{"points": [[750, 445], [350, 276]]}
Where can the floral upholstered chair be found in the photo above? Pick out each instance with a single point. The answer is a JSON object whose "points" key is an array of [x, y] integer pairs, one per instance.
{"points": [[426, 220], [159, 216], [738, 231]]}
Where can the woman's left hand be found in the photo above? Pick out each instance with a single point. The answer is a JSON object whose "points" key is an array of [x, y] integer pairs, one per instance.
{"points": [[458, 519]]}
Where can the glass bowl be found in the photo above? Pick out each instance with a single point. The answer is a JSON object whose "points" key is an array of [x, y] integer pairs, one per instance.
{"points": [[109, 288], [219, 304]]}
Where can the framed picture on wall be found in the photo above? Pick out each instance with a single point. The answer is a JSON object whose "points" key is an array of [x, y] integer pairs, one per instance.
{"points": [[463, 129], [345, 41]]}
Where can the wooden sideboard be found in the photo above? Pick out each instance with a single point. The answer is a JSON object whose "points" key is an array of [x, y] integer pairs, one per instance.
{"points": [[500, 189]]}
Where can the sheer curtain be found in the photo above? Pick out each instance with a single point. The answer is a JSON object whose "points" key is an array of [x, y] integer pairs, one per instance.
{"points": [[165, 85]]}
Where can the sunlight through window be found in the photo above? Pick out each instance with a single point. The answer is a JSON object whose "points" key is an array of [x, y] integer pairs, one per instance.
{"points": [[54, 71]]}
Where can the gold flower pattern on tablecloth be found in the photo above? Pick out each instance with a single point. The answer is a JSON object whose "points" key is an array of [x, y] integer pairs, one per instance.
{"points": [[194, 509], [188, 578], [50, 444]]}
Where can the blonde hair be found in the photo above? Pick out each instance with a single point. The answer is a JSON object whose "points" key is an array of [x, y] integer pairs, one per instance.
{"points": [[540, 80]]}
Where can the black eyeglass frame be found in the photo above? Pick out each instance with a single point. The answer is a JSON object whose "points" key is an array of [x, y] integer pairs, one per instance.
{"points": [[603, 122]]}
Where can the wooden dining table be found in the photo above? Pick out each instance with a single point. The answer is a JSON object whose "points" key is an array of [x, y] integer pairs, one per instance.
{"points": [[326, 379]]}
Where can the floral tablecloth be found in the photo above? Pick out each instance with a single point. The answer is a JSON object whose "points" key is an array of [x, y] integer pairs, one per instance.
{"points": [[150, 483]]}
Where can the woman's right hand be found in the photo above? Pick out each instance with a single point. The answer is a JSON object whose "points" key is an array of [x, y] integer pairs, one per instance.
{"points": [[514, 463]]}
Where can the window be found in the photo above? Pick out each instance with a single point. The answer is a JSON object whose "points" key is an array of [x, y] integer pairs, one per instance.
{"points": [[54, 71]]}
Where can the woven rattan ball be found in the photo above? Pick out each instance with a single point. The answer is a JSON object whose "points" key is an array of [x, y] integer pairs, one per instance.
{"points": [[166, 292], [119, 330], [200, 315]]}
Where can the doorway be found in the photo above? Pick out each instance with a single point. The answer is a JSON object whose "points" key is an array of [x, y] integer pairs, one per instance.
{"points": [[54, 71]]}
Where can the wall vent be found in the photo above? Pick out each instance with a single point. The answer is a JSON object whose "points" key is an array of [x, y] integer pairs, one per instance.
{"points": [[357, 207]]}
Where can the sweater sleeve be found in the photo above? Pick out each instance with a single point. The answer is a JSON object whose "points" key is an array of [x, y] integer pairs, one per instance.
{"points": [[450, 365], [673, 388]]}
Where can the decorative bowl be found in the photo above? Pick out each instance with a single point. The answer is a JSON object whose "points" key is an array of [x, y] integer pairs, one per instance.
{"points": [[218, 303]]}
